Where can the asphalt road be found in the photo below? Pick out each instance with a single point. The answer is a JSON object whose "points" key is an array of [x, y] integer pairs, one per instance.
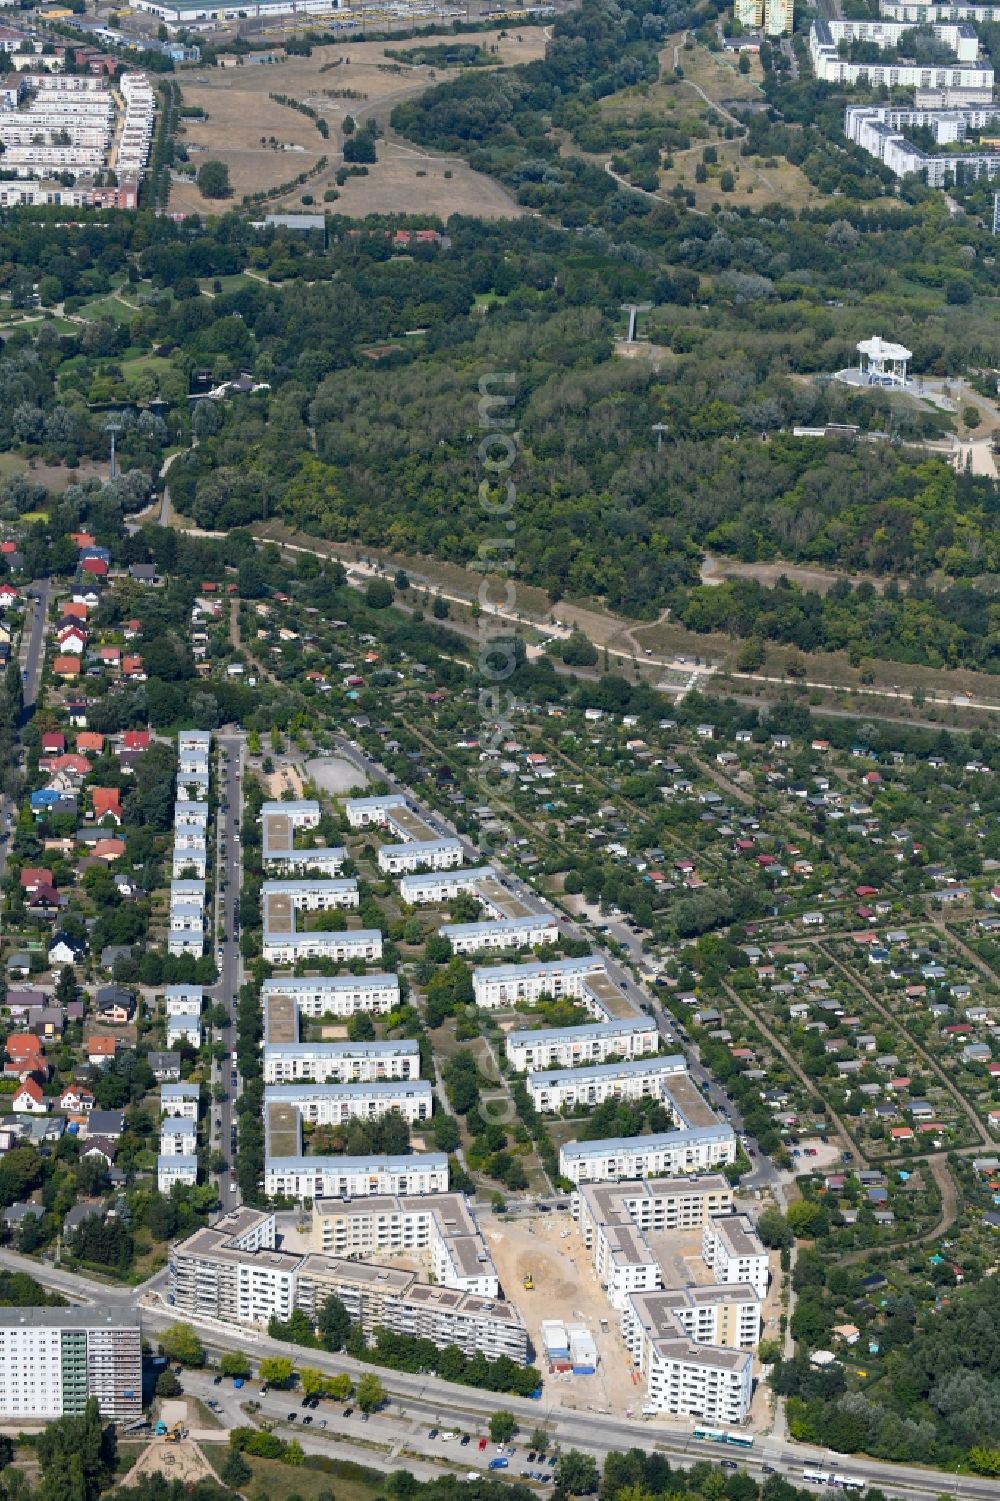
{"points": [[226, 940]]}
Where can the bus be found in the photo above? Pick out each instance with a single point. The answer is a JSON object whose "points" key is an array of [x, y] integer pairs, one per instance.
{"points": [[710, 1435], [837, 1482], [740, 1440]]}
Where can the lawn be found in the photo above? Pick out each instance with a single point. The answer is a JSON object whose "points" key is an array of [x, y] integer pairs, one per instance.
{"points": [[108, 307], [347, 1481]]}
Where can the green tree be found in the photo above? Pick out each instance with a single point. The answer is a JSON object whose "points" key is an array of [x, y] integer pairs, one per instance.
{"points": [[503, 1426], [181, 1343], [334, 1324], [276, 1370], [213, 180], [234, 1363], [577, 1473], [77, 1456], [234, 1470], [167, 1384], [371, 1393], [378, 594]]}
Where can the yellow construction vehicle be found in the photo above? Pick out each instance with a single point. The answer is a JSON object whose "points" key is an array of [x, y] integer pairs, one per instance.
{"points": [[529, 1283]]}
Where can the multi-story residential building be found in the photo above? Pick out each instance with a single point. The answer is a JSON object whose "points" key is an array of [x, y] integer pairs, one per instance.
{"points": [[309, 894], [53, 1360], [683, 1377], [732, 1251], [329, 995], [279, 824], [283, 945], [973, 80], [180, 1101], [616, 1218], [233, 1273], [499, 935], [880, 130], [182, 1000], [178, 1136], [184, 1026], [297, 1177], [379, 1297], [341, 1062], [665, 1154], [442, 1223], [566, 1047], [441, 885], [392, 811], [335, 1104], [174, 1168], [585, 980], [779, 17], [428, 854], [630, 1080], [749, 13]]}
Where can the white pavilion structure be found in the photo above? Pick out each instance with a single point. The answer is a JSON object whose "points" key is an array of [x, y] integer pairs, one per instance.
{"points": [[882, 363]]}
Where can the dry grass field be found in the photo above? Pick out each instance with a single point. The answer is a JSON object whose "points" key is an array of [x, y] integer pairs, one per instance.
{"points": [[404, 180]]}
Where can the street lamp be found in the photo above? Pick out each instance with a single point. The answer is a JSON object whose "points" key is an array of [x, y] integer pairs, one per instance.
{"points": [[113, 426]]}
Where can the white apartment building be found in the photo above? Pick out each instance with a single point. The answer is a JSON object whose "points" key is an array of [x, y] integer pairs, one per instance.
{"points": [[926, 12], [289, 947], [189, 861], [683, 1377], [333, 995], [392, 811], [279, 824], [662, 1155], [615, 1220], [958, 36], [184, 1026], [182, 1000], [441, 1223], [631, 1080], [302, 1178], [428, 854], [732, 1251], [585, 980], [442, 886], [500, 934], [335, 1104], [52, 1360], [308, 895], [341, 1062], [506, 984], [973, 78], [185, 940], [190, 816], [180, 1101], [175, 1168], [178, 1136], [233, 1274], [566, 1047]]}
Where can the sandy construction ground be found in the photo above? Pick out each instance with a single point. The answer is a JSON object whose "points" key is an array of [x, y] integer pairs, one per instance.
{"points": [[240, 112], [566, 1288], [181, 1461]]}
